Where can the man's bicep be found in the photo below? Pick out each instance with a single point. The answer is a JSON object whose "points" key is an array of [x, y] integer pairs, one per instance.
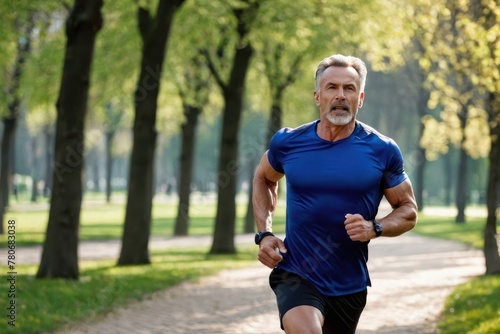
{"points": [[402, 194], [266, 171]]}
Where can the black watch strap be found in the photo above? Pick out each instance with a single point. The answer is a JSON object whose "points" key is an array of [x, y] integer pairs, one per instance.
{"points": [[377, 227], [261, 235]]}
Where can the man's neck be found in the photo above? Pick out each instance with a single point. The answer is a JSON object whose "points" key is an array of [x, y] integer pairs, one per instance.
{"points": [[332, 132]]}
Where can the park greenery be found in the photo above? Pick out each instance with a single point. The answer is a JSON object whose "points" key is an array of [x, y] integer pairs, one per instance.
{"points": [[151, 98], [183, 96], [49, 305]]}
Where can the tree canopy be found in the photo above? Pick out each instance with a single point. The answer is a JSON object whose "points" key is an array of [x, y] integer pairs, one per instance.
{"points": [[433, 81]]}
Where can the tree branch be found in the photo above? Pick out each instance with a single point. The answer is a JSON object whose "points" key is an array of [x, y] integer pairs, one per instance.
{"points": [[165, 7], [293, 73], [144, 22], [213, 70], [245, 16]]}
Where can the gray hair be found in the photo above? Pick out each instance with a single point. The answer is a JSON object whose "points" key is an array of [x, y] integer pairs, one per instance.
{"points": [[342, 61]]}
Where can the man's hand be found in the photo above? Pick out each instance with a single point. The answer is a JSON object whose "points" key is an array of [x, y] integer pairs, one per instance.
{"points": [[268, 251], [358, 228]]}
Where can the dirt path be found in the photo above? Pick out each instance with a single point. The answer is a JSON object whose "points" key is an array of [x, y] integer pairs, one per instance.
{"points": [[411, 276]]}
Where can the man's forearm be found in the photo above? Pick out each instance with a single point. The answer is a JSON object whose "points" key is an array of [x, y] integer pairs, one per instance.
{"points": [[404, 214], [400, 220], [265, 196]]}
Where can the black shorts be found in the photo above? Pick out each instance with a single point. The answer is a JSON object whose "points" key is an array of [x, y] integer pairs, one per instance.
{"points": [[341, 312]]}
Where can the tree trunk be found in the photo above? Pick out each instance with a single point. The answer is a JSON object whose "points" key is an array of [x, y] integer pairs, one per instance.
{"points": [[9, 130], [275, 119], [110, 134], [275, 123], [186, 168], [34, 170], [137, 226], [423, 99], [420, 175], [249, 226], [461, 198], [224, 231], [10, 120], [225, 220], [491, 254], [95, 170], [59, 256], [49, 142], [448, 180], [6, 172]]}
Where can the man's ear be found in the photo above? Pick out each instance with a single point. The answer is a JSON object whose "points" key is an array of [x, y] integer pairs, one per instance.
{"points": [[361, 99], [316, 98]]}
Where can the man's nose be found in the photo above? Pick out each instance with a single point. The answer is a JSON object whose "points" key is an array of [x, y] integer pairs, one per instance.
{"points": [[340, 94]]}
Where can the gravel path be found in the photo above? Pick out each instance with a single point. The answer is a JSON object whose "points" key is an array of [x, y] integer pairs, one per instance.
{"points": [[411, 276]]}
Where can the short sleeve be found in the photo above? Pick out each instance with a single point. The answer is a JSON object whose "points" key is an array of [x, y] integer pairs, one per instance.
{"points": [[275, 153], [395, 172]]}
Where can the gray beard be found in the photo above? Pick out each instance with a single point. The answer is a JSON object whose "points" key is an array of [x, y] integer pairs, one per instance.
{"points": [[339, 120]]}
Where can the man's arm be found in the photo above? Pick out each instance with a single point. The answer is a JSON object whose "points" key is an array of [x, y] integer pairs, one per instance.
{"points": [[402, 218], [265, 198], [404, 214], [265, 194]]}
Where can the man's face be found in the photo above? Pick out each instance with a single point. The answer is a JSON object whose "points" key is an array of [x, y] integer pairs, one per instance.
{"points": [[339, 95]]}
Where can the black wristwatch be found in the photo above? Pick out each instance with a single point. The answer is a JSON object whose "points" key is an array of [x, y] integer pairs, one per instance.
{"points": [[261, 235], [377, 227]]}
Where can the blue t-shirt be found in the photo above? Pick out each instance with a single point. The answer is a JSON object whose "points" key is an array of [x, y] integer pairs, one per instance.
{"points": [[326, 180]]}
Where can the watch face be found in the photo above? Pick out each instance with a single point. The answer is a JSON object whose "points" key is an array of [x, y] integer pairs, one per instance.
{"points": [[257, 238]]}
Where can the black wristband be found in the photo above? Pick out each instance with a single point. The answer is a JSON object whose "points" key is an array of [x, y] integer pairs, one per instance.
{"points": [[261, 235], [377, 227]]}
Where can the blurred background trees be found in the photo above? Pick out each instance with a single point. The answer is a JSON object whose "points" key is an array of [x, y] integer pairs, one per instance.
{"points": [[235, 72]]}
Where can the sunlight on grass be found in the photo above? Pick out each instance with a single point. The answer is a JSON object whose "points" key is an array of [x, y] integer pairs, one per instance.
{"points": [[100, 221], [470, 233], [45, 305], [473, 307]]}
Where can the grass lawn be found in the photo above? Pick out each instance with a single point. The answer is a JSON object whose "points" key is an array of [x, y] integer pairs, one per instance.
{"points": [[473, 307], [100, 221], [45, 305], [470, 233]]}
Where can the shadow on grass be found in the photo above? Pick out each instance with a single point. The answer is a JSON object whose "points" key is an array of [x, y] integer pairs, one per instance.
{"points": [[45, 305]]}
